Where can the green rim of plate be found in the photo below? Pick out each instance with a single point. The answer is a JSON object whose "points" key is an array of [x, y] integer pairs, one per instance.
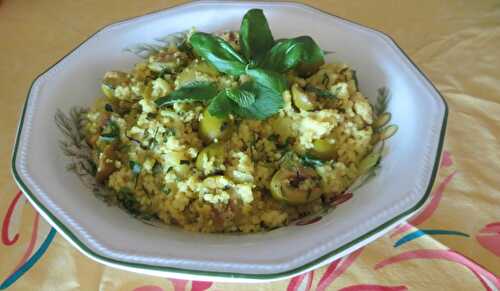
{"points": [[272, 276]]}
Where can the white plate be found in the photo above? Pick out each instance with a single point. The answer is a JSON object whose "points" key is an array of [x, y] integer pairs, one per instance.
{"points": [[109, 235]]}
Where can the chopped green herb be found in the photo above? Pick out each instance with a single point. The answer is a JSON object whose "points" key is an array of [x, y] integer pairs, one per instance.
{"points": [[110, 132], [311, 161], [169, 132], [108, 107], [152, 141], [166, 191]]}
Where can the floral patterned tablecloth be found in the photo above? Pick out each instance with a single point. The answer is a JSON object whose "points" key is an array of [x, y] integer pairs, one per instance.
{"points": [[453, 244]]}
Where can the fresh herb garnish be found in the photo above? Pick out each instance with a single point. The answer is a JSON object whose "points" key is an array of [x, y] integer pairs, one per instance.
{"points": [[195, 91], [128, 201], [266, 78], [255, 35], [263, 59], [218, 52], [243, 98], [221, 106], [267, 102], [300, 53]]}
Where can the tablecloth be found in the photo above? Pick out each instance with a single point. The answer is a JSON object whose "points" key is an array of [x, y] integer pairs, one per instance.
{"points": [[453, 244]]}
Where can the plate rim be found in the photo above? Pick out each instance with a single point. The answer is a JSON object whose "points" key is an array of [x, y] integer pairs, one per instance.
{"points": [[68, 234]]}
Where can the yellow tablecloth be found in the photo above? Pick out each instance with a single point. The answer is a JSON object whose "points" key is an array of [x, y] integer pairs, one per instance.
{"points": [[454, 244]]}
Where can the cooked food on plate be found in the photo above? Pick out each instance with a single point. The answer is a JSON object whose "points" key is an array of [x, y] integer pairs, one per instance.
{"points": [[231, 132]]}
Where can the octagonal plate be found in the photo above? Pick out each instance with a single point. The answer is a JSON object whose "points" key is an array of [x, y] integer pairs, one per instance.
{"points": [[110, 236]]}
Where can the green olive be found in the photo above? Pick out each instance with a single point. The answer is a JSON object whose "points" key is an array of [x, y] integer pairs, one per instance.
{"points": [[215, 151], [301, 99], [295, 184], [206, 68], [324, 150], [212, 128]]}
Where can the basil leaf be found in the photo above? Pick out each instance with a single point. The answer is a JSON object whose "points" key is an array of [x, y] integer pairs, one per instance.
{"points": [[221, 106], [255, 36], [267, 102], [269, 79], [195, 91], [300, 53], [242, 97], [218, 52]]}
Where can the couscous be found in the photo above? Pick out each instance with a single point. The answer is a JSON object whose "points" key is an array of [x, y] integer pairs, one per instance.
{"points": [[231, 132]]}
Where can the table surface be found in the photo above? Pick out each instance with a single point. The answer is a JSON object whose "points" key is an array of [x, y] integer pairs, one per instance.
{"points": [[454, 244]]}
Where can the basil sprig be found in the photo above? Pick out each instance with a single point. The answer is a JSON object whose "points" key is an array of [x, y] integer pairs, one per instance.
{"points": [[266, 103], [263, 59], [218, 52]]}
